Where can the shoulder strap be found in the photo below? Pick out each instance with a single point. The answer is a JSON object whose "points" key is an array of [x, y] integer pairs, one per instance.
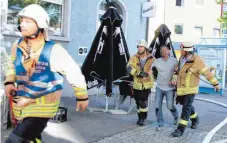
{"points": [[20, 40]]}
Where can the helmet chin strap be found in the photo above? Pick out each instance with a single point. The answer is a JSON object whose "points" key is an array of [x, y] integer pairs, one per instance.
{"points": [[187, 53], [33, 36]]}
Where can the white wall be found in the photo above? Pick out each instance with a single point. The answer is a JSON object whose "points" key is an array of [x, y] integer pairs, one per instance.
{"points": [[190, 15], [157, 20]]}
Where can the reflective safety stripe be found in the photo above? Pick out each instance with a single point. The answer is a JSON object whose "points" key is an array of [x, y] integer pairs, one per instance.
{"points": [[204, 70], [37, 100], [193, 116], [45, 85], [143, 109], [138, 111], [183, 122], [77, 89], [133, 71], [36, 110], [78, 94], [40, 100], [22, 78], [38, 83], [43, 106], [38, 140], [80, 91], [36, 93], [187, 82], [139, 86], [187, 90], [213, 81]]}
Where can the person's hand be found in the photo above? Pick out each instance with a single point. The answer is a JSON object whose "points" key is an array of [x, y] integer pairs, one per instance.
{"points": [[174, 83], [217, 88], [143, 74], [150, 72], [22, 101], [176, 68], [82, 105], [10, 89]]}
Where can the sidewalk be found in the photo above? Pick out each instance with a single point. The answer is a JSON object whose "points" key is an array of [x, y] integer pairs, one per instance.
{"points": [[216, 97], [148, 134], [106, 128]]}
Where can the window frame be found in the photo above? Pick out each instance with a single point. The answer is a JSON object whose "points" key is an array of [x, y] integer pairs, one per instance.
{"points": [[198, 6], [219, 33], [201, 28], [65, 31], [182, 28], [181, 3]]}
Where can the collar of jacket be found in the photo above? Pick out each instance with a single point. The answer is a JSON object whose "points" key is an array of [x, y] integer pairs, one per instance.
{"points": [[148, 55], [191, 60]]}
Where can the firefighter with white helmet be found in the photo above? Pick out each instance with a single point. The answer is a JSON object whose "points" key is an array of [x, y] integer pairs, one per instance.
{"points": [[139, 67], [186, 79], [37, 76]]}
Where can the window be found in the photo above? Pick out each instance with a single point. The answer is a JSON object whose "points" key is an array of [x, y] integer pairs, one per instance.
{"points": [[200, 2], [179, 2], [216, 33], [59, 22], [199, 31], [178, 29], [103, 8]]}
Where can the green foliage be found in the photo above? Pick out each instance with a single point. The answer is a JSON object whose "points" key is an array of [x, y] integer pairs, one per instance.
{"points": [[223, 18]]}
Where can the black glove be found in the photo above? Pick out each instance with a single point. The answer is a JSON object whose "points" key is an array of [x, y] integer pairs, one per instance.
{"points": [[143, 74]]}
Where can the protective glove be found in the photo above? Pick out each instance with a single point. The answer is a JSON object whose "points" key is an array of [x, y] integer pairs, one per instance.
{"points": [[143, 74]]}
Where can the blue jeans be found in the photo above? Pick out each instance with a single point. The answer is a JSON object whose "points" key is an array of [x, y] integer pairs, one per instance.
{"points": [[159, 95]]}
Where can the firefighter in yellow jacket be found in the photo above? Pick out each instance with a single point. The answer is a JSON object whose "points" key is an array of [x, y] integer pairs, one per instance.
{"points": [[187, 77], [37, 76], [139, 67]]}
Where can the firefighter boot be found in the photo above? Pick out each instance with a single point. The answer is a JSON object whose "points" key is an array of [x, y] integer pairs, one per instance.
{"points": [[140, 122], [139, 118], [143, 116], [179, 131], [195, 122]]}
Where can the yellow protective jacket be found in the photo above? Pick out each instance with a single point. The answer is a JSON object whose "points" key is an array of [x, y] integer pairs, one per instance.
{"points": [[46, 106], [189, 76], [135, 68]]}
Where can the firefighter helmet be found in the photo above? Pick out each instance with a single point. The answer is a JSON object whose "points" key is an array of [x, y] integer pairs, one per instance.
{"points": [[39, 15], [189, 47], [142, 43]]}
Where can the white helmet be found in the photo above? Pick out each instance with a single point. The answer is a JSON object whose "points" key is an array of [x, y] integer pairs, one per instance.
{"points": [[189, 47], [37, 13], [142, 43]]}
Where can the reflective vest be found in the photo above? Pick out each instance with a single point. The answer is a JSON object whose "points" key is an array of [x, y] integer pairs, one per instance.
{"points": [[189, 76], [135, 68], [41, 83]]}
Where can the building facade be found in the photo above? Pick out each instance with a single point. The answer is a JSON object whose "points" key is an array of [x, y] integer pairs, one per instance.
{"points": [[188, 20], [74, 24]]}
